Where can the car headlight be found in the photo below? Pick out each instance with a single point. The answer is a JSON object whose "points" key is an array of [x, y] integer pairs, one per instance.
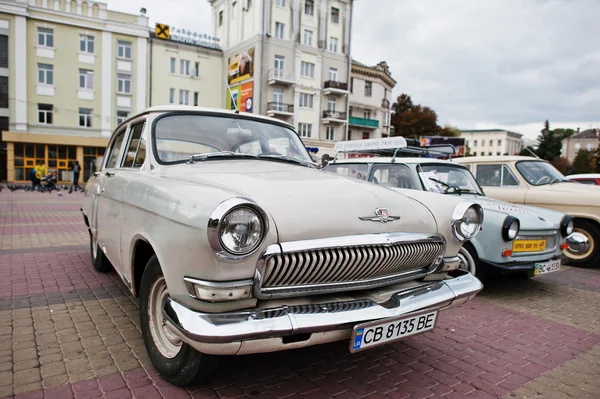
{"points": [[466, 221], [236, 228], [567, 226], [510, 228]]}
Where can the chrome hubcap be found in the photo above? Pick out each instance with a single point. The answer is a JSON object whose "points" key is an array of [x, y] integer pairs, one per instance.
{"points": [[581, 244], [165, 340]]}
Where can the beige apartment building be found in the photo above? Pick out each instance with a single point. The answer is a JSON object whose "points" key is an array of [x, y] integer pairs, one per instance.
{"points": [[76, 70], [370, 101], [588, 140], [488, 142], [289, 59]]}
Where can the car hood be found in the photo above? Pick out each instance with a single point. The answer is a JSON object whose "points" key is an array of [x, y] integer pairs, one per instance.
{"points": [[530, 218], [306, 203], [564, 192]]}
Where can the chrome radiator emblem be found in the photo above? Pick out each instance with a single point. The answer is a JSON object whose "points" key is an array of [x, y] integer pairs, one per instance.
{"points": [[381, 215]]}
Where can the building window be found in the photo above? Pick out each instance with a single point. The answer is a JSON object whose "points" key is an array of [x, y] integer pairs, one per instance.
{"points": [[279, 66], [221, 18], [124, 49], [173, 61], [330, 135], [184, 67], [45, 37], [86, 79], [589, 146], [367, 114], [307, 69], [196, 98], [333, 44], [184, 97], [335, 15], [122, 116], [474, 143], [279, 28], [249, 4], [309, 7], [123, 83], [331, 104], [86, 44], [483, 143], [305, 129], [366, 135], [351, 85], [368, 89], [280, 3], [499, 143], [234, 10], [306, 100], [45, 74], [333, 74], [45, 113], [308, 35], [498, 153], [85, 117], [171, 96], [278, 99], [475, 153], [490, 153], [196, 71]]}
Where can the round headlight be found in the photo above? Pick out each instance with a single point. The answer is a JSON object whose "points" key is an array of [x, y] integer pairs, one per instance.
{"points": [[510, 228], [241, 231], [570, 227], [467, 222], [567, 225]]}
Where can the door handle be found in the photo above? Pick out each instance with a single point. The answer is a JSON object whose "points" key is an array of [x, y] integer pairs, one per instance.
{"points": [[109, 174]]}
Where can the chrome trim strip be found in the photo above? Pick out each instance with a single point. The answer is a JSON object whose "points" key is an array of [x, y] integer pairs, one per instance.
{"points": [[225, 328], [223, 285]]}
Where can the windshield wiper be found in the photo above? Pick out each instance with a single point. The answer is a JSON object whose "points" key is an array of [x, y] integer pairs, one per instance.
{"points": [[221, 154], [561, 180], [287, 159], [456, 189]]}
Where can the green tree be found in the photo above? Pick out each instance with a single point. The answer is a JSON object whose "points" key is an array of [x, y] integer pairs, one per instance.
{"points": [[412, 120], [583, 162], [526, 153], [449, 131], [549, 143], [562, 165]]}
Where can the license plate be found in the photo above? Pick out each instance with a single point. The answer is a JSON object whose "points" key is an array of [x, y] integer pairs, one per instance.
{"points": [[547, 267], [369, 335], [529, 245]]}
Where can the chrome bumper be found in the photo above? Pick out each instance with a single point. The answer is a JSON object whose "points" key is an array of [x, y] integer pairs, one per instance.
{"points": [[263, 330]]}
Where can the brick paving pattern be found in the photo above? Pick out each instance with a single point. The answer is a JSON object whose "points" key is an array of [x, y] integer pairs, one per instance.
{"points": [[69, 332]]}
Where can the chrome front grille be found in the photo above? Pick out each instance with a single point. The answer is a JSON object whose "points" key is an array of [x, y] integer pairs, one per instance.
{"points": [[349, 266]]}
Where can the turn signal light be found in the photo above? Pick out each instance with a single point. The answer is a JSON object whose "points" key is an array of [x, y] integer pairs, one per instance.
{"points": [[507, 252], [564, 246]]}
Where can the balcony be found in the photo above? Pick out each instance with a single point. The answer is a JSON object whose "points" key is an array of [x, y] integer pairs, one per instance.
{"points": [[334, 117], [363, 122], [280, 109], [279, 76], [335, 87]]}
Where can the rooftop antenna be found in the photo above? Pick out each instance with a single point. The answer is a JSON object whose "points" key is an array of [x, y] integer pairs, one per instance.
{"points": [[237, 110]]}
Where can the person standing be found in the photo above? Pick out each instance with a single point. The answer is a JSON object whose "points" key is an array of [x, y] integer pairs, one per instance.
{"points": [[76, 171], [40, 171]]}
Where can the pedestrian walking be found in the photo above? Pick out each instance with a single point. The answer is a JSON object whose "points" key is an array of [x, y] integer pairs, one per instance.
{"points": [[76, 171]]}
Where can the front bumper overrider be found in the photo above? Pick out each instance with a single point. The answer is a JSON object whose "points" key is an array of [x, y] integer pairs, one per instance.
{"points": [[288, 327]]}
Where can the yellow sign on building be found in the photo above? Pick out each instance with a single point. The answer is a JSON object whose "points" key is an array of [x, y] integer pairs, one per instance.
{"points": [[163, 32]]}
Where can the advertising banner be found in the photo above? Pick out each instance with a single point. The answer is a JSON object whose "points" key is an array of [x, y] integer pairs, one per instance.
{"points": [[242, 96], [457, 142], [241, 66]]}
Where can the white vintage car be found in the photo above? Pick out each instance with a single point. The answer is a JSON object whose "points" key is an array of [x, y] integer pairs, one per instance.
{"points": [[235, 243]]}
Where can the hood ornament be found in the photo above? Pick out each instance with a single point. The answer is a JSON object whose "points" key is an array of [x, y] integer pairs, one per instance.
{"points": [[381, 215]]}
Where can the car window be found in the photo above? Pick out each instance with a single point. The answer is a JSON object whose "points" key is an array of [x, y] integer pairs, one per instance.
{"points": [[392, 176], [357, 171], [497, 175], [539, 173], [132, 158], [115, 150]]}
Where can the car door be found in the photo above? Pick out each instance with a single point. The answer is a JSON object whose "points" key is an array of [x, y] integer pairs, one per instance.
{"points": [[500, 182], [111, 185]]}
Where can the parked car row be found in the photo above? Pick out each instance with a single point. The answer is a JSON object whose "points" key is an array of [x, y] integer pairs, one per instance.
{"points": [[235, 242]]}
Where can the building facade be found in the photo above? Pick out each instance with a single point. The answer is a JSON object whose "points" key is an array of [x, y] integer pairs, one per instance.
{"points": [[488, 142], [289, 59], [75, 70], [370, 101], [588, 140]]}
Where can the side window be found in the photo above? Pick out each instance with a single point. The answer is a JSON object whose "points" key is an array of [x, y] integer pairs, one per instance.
{"points": [[115, 150], [508, 179], [397, 176], [489, 175], [135, 151]]}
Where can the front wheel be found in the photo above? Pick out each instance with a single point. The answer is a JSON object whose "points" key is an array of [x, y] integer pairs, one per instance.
{"points": [[99, 260], [174, 360], [590, 256]]}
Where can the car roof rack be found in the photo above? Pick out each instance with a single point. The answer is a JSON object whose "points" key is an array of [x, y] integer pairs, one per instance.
{"points": [[394, 147]]}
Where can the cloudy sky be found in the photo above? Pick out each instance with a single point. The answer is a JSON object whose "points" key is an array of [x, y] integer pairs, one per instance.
{"points": [[479, 64]]}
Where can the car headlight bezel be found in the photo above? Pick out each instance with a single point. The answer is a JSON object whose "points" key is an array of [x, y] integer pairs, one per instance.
{"points": [[460, 220], [216, 225], [507, 228], [567, 225]]}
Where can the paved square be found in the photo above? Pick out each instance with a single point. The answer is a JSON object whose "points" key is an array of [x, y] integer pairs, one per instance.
{"points": [[69, 332]]}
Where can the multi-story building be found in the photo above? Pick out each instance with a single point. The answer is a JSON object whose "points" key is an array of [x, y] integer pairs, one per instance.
{"points": [[185, 68], [489, 142], [76, 69], [588, 140], [370, 99], [289, 59]]}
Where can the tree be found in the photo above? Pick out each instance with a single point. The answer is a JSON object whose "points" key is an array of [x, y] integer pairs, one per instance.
{"points": [[562, 165], [412, 120], [549, 143], [583, 162], [449, 131], [526, 153]]}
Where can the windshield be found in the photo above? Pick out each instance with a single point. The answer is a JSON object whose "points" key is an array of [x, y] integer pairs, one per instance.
{"points": [[357, 171], [448, 179], [539, 173], [178, 137]]}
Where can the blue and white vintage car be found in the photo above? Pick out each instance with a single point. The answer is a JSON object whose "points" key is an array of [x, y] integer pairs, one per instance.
{"points": [[514, 238]]}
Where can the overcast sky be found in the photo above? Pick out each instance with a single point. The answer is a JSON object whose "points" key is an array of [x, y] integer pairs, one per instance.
{"points": [[479, 64]]}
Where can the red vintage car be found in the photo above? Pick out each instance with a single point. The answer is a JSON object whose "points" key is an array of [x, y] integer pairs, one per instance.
{"points": [[587, 178]]}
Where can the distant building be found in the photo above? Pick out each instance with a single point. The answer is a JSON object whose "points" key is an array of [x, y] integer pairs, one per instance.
{"points": [[487, 142], [587, 140], [370, 101]]}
